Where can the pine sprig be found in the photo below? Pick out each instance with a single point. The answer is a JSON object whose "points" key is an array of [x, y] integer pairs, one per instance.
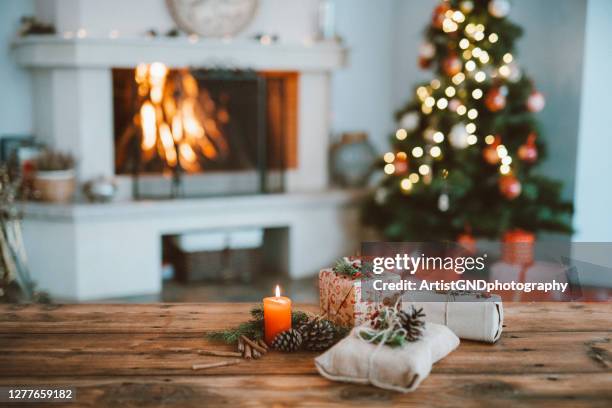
{"points": [[345, 267], [254, 328]]}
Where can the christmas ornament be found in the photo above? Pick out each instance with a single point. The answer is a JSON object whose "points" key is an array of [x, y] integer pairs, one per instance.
{"points": [[427, 50], [410, 121], [514, 74], [466, 6], [489, 153], [458, 136], [401, 163], [317, 334], [454, 104], [437, 17], [535, 101], [496, 99], [528, 152], [443, 202], [499, 8], [452, 65], [424, 63], [509, 186], [289, 340]]}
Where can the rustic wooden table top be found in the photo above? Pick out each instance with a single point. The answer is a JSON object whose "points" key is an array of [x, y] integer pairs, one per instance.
{"points": [[141, 355]]}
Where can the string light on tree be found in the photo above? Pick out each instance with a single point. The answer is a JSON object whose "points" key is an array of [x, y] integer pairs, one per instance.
{"points": [[406, 184], [424, 169], [435, 152], [401, 134], [459, 78], [438, 137]]}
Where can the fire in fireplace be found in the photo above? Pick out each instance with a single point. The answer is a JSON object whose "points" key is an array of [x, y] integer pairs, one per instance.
{"points": [[197, 132]]}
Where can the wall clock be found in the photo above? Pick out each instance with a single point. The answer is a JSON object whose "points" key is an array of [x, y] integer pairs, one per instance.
{"points": [[212, 18]]}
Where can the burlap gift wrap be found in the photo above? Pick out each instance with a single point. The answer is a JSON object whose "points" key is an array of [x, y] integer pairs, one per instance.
{"points": [[341, 298], [394, 368], [469, 315]]}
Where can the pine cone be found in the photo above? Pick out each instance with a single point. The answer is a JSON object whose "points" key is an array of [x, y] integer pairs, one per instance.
{"points": [[412, 322], [289, 340], [317, 334]]}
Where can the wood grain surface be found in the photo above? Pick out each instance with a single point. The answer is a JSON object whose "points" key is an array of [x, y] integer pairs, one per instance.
{"points": [[554, 355]]}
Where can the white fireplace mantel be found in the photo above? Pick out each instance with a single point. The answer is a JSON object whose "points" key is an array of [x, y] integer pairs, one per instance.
{"points": [[58, 52]]}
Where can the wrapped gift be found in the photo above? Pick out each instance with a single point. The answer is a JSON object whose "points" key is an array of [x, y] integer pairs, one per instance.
{"points": [[471, 316], [392, 368], [342, 298]]}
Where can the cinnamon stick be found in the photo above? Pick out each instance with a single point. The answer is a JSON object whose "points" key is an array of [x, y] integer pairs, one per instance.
{"points": [[248, 352], [263, 344], [253, 344], [240, 346], [213, 365], [219, 353]]}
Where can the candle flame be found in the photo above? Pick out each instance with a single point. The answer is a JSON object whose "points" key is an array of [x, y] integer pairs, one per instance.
{"points": [[277, 291]]}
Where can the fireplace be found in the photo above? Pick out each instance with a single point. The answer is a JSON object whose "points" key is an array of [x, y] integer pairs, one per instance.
{"points": [[76, 102], [201, 132]]}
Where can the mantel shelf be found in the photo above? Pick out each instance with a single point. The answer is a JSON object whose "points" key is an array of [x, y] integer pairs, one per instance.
{"points": [[94, 53]]}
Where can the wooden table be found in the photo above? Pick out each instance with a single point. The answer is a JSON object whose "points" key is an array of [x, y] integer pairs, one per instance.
{"points": [[141, 355]]}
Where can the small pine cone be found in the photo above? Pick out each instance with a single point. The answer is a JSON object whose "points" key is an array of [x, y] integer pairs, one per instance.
{"points": [[289, 340], [317, 334], [412, 322]]}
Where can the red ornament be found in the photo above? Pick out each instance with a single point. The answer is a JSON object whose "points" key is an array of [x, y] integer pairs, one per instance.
{"points": [[489, 153], [424, 63], [495, 99], [535, 101], [401, 163], [452, 65], [438, 16], [528, 152], [509, 186]]}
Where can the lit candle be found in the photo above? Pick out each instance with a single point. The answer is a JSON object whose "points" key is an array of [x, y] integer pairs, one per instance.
{"points": [[277, 315]]}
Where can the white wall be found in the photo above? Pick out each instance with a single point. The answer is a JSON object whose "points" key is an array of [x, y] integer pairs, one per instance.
{"points": [[293, 21], [361, 93], [15, 99], [593, 220]]}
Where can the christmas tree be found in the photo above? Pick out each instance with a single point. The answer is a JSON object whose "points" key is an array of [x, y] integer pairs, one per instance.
{"points": [[464, 155]]}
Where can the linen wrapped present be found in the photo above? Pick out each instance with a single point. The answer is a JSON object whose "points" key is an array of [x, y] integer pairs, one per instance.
{"points": [[394, 368], [471, 316], [343, 301]]}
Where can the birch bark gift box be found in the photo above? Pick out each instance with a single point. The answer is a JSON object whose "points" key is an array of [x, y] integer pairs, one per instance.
{"points": [[341, 293], [470, 315]]}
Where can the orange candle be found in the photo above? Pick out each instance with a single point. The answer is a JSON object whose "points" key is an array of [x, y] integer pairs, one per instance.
{"points": [[277, 315]]}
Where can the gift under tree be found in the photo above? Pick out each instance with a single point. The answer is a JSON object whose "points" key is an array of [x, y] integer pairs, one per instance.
{"points": [[464, 156]]}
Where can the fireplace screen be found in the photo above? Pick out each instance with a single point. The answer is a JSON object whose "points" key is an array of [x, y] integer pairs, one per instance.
{"points": [[195, 132]]}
